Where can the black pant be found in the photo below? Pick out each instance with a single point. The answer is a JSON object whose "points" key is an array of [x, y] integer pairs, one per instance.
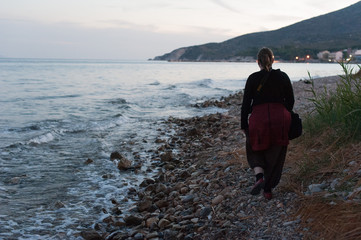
{"points": [[271, 160]]}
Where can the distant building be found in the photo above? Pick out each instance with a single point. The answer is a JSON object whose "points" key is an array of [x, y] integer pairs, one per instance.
{"points": [[357, 55], [336, 56], [330, 56], [324, 55]]}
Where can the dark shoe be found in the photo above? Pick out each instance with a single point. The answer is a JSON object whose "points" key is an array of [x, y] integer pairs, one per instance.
{"points": [[267, 195], [258, 186]]}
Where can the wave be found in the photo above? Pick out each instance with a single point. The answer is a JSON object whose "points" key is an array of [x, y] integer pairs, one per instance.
{"points": [[57, 97], [170, 87], [45, 138], [25, 129], [28, 81], [156, 83], [118, 101], [204, 83]]}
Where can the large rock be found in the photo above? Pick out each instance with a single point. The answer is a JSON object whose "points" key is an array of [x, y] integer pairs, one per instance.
{"points": [[115, 155], [123, 163]]}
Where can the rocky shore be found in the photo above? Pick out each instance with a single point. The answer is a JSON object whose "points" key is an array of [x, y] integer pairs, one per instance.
{"points": [[201, 190]]}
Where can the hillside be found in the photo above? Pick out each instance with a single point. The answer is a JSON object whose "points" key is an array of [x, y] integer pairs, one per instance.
{"points": [[333, 31]]}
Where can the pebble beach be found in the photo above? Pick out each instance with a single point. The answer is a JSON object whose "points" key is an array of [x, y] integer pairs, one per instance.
{"points": [[201, 189]]}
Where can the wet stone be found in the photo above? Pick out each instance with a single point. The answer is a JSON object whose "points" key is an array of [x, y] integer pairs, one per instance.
{"points": [[133, 220], [91, 235]]}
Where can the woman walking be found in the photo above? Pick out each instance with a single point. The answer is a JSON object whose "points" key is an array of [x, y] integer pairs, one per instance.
{"points": [[268, 97]]}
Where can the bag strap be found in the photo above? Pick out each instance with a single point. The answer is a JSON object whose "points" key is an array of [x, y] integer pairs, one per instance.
{"points": [[263, 81]]}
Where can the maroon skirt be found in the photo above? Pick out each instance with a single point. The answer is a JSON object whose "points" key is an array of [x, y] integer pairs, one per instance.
{"points": [[269, 124]]}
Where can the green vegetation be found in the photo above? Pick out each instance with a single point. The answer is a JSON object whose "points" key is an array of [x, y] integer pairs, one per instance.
{"points": [[334, 31], [340, 110], [329, 152]]}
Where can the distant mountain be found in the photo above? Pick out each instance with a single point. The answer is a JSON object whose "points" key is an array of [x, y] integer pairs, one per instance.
{"points": [[333, 31]]}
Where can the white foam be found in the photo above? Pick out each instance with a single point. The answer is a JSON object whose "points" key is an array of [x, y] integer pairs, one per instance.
{"points": [[103, 127], [121, 119], [45, 138]]}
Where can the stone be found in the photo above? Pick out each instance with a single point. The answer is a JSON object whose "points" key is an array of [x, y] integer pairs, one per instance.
{"points": [[139, 236], [108, 219], [108, 176], [169, 166], [185, 174], [192, 132], [187, 198], [184, 190], [124, 164], [115, 155], [205, 212], [89, 161], [59, 205], [170, 234], [151, 221], [161, 188], [163, 223], [166, 157], [315, 188], [217, 200], [162, 203], [91, 235], [334, 183], [158, 140], [147, 182], [152, 208], [119, 223], [152, 235], [144, 205], [179, 186], [159, 196], [133, 220], [15, 180]]}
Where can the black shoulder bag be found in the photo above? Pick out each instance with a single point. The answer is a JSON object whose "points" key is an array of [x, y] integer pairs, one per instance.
{"points": [[296, 126]]}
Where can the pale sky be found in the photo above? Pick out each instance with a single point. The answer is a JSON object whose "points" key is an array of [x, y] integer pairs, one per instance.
{"points": [[140, 29]]}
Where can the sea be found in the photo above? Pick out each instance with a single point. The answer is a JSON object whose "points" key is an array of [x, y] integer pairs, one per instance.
{"points": [[55, 114]]}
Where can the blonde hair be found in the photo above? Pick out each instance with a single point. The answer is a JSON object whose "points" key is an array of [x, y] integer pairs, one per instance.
{"points": [[265, 58]]}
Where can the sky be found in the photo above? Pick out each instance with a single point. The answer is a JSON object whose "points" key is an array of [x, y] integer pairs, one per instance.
{"points": [[139, 29]]}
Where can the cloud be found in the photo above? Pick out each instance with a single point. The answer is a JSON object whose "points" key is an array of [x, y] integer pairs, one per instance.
{"points": [[64, 40], [117, 23], [225, 5]]}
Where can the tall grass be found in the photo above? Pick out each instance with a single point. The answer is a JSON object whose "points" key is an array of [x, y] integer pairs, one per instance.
{"points": [[323, 154], [341, 109]]}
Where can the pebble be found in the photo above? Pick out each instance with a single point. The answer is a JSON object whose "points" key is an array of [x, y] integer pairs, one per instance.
{"points": [[315, 188], [217, 200]]}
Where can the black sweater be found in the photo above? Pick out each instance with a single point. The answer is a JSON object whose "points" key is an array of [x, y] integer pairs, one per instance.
{"points": [[276, 89]]}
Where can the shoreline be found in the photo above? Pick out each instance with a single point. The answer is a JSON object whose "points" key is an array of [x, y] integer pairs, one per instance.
{"points": [[201, 190]]}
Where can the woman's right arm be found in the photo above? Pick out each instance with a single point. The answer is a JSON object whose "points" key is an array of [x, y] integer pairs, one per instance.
{"points": [[246, 105]]}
